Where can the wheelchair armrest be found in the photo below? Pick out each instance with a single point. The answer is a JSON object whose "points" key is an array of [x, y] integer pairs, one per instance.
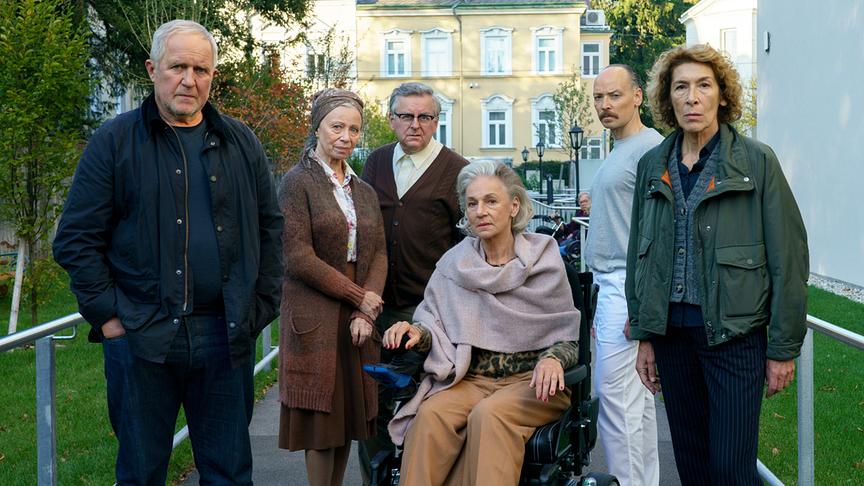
{"points": [[385, 376], [575, 374]]}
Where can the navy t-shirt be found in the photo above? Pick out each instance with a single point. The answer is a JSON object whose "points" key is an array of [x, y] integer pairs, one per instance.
{"points": [[203, 247]]}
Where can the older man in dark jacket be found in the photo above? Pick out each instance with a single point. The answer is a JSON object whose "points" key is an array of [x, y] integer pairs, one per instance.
{"points": [[171, 237]]}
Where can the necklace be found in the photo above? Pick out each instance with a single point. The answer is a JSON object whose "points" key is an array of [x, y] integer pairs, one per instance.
{"points": [[498, 265]]}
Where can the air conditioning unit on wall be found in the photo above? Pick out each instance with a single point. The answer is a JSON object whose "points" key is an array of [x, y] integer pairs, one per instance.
{"points": [[594, 18]]}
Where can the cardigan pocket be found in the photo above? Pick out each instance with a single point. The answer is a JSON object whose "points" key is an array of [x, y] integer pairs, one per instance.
{"points": [[302, 326]]}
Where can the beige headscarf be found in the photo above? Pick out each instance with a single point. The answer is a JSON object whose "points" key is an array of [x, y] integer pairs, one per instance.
{"points": [[324, 102]]}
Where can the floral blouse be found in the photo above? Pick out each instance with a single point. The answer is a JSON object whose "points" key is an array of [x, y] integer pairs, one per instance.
{"points": [[342, 193]]}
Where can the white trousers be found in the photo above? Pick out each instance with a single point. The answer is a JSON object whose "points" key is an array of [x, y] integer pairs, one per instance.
{"points": [[627, 424]]}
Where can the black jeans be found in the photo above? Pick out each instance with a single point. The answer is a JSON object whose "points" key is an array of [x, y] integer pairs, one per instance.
{"points": [[144, 399], [713, 396]]}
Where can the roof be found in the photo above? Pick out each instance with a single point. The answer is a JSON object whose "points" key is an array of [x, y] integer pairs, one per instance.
{"points": [[468, 3]]}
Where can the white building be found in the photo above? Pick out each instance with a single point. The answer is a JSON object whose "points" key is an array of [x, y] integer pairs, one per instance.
{"points": [[728, 25], [312, 53], [811, 69]]}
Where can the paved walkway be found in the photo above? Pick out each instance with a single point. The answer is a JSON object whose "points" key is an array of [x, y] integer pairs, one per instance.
{"points": [[274, 466]]}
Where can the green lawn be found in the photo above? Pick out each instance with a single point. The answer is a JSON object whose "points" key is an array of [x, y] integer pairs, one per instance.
{"points": [[85, 442], [839, 404]]}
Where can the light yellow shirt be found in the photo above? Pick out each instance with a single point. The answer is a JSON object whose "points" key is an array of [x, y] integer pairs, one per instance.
{"points": [[407, 169]]}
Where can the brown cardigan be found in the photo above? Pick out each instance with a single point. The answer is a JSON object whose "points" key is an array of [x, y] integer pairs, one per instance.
{"points": [[314, 246], [421, 226]]}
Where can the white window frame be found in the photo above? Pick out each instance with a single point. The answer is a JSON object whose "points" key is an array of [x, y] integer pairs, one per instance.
{"points": [[396, 35], [542, 103], [507, 34], [731, 51], [589, 143], [498, 103], [586, 70], [436, 33], [447, 127], [545, 32]]}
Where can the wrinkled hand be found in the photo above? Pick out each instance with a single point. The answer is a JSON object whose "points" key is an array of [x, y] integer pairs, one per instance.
{"points": [[360, 331], [393, 336], [778, 375], [627, 329], [547, 378], [371, 305], [113, 328], [647, 367]]}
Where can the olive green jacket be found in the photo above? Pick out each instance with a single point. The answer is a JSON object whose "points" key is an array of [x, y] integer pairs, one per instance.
{"points": [[752, 260]]}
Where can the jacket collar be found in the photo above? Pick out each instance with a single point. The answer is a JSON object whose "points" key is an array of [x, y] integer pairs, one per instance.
{"points": [[733, 163], [152, 119]]}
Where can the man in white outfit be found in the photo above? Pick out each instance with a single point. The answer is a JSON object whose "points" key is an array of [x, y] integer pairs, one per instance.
{"points": [[627, 423]]}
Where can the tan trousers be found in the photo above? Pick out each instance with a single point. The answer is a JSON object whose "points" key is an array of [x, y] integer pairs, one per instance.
{"points": [[475, 432]]}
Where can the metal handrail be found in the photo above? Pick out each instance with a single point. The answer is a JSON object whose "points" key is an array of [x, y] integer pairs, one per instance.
{"points": [[46, 416], [838, 333], [567, 213], [806, 426], [27, 336]]}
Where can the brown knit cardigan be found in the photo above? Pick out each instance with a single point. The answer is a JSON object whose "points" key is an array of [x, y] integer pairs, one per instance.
{"points": [[315, 250]]}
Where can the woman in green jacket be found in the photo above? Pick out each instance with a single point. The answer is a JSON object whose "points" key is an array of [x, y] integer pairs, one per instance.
{"points": [[717, 269]]}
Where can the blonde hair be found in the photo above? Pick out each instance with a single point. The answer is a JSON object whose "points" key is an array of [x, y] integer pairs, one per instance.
{"points": [[660, 82], [512, 183]]}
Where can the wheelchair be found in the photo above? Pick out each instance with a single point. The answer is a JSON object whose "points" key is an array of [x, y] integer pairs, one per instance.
{"points": [[558, 452]]}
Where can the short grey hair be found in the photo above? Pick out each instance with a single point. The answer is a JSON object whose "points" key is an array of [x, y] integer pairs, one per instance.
{"points": [[511, 182], [413, 89], [166, 30]]}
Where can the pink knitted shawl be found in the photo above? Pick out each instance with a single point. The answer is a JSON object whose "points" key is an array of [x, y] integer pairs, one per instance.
{"points": [[525, 305]]}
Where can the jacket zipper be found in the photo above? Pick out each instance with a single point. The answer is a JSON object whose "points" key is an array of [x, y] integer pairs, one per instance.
{"points": [[186, 216]]}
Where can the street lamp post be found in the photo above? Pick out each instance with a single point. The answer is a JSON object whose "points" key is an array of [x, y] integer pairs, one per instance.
{"points": [[541, 149], [576, 143]]}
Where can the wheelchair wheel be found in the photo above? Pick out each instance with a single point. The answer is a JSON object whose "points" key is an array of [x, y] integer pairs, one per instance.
{"points": [[599, 479]]}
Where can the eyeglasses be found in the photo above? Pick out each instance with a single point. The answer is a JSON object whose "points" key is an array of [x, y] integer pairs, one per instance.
{"points": [[422, 118]]}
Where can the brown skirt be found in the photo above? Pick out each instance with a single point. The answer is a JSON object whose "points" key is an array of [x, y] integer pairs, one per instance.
{"points": [[302, 429]]}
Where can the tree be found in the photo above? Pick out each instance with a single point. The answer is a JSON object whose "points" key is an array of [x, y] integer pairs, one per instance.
{"points": [[643, 30], [749, 114], [376, 132], [122, 29], [44, 88], [262, 98], [329, 60], [573, 106]]}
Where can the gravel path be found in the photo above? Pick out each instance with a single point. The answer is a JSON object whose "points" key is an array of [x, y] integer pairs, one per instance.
{"points": [[852, 292]]}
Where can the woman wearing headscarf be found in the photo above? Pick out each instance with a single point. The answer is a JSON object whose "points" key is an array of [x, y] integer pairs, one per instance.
{"points": [[335, 266], [717, 269]]}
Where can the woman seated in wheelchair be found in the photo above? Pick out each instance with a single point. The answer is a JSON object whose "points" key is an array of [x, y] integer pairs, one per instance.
{"points": [[499, 327]]}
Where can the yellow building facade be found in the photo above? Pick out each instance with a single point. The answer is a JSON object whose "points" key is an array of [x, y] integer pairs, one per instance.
{"points": [[494, 66]]}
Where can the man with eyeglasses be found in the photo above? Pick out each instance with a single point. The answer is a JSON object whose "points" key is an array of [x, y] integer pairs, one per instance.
{"points": [[415, 179]]}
